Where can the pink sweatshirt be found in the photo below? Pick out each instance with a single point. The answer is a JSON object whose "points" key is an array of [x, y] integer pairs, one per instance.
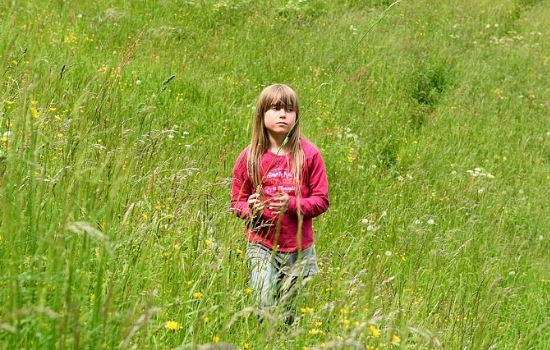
{"points": [[276, 173]]}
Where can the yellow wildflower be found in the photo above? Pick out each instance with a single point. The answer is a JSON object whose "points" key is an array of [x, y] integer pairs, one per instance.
{"points": [[34, 113], [197, 295], [172, 325], [374, 331], [345, 322], [215, 339], [248, 291], [52, 109], [60, 135], [395, 340], [318, 323], [246, 346], [315, 331], [306, 310], [344, 311], [205, 319], [189, 282]]}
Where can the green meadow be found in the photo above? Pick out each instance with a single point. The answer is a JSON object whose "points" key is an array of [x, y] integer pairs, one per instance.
{"points": [[120, 122]]}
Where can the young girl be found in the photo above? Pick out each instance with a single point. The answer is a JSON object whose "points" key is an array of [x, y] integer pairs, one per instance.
{"points": [[279, 186]]}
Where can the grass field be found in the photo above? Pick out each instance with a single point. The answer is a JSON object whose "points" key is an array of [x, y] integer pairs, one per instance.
{"points": [[120, 122]]}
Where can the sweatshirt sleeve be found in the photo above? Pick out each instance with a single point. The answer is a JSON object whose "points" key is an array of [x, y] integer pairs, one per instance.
{"points": [[317, 201], [241, 188]]}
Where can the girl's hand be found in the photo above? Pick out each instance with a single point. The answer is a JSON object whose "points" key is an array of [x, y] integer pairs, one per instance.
{"points": [[255, 204], [279, 204]]}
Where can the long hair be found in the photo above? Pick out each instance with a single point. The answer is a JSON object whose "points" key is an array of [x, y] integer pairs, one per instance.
{"points": [[282, 96]]}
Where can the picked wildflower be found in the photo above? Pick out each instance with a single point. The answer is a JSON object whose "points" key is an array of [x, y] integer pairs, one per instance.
{"points": [[197, 295], [395, 340], [374, 331], [172, 325], [248, 291], [215, 339]]}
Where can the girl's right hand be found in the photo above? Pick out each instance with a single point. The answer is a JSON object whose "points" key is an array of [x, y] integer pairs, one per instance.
{"points": [[255, 204]]}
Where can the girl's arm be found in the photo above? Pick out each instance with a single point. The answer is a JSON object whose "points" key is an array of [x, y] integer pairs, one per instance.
{"points": [[241, 189], [317, 202]]}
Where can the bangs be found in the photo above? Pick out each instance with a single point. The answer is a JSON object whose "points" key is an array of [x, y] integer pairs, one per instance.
{"points": [[279, 96]]}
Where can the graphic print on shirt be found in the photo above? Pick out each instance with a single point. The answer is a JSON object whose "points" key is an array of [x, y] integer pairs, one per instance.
{"points": [[279, 179]]}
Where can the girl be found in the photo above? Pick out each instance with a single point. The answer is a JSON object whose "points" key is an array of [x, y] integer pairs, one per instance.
{"points": [[279, 185]]}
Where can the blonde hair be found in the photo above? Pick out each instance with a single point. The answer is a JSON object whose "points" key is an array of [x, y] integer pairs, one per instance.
{"points": [[281, 96]]}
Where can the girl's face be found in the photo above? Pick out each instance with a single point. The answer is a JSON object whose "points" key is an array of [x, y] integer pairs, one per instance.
{"points": [[279, 120]]}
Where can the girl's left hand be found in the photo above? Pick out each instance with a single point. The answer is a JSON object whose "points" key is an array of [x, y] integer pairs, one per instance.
{"points": [[279, 204]]}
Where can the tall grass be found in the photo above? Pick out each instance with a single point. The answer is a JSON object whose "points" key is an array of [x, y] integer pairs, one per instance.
{"points": [[120, 122]]}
